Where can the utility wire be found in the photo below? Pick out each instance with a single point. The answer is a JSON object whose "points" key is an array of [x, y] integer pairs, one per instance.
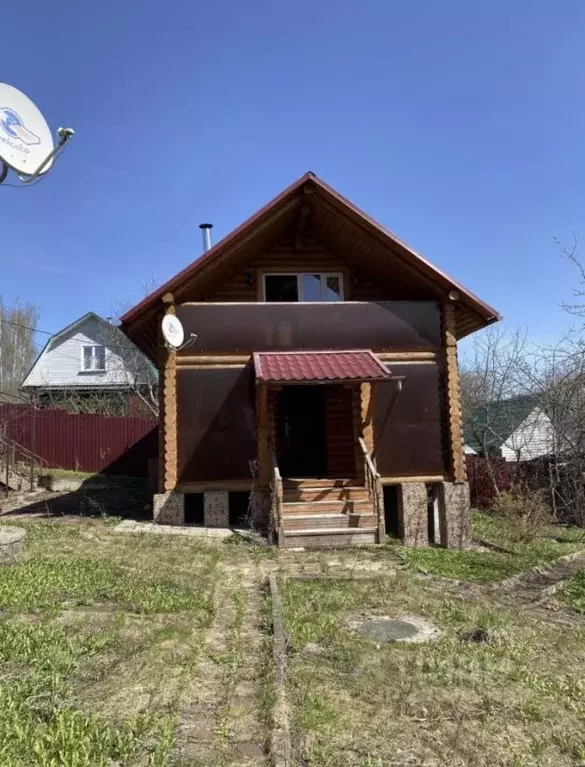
{"points": [[71, 356]]}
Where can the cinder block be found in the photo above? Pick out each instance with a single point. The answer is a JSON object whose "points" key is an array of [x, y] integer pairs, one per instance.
{"points": [[216, 511], [455, 515], [168, 508], [413, 513]]}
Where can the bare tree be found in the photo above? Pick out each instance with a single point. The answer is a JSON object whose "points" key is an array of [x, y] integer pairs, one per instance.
{"points": [[491, 374], [17, 346]]}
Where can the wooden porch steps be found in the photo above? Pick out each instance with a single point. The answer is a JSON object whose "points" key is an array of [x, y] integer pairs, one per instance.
{"points": [[361, 506], [290, 495], [323, 537], [319, 513], [300, 482], [300, 522]]}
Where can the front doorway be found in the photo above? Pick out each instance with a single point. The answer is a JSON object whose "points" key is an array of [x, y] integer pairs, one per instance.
{"points": [[301, 431]]}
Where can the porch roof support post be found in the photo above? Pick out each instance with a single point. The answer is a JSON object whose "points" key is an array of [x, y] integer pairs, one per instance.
{"points": [[367, 409], [453, 399], [263, 434]]}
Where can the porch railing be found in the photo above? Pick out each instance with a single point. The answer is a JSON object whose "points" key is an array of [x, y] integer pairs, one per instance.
{"points": [[276, 493], [18, 461], [374, 488]]}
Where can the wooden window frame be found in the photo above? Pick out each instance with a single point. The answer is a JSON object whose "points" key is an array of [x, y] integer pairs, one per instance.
{"points": [[322, 275]]}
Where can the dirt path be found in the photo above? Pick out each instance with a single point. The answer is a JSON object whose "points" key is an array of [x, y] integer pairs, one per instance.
{"points": [[530, 592], [220, 722]]}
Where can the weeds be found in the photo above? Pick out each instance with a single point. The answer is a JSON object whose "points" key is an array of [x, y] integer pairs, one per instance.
{"points": [[97, 640], [573, 591], [482, 566], [446, 701], [525, 511]]}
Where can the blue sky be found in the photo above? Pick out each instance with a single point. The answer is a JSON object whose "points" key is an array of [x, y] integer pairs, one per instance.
{"points": [[457, 124]]}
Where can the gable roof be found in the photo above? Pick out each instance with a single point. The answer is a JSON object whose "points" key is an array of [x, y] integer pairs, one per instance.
{"points": [[490, 426], [343, 226], [113, 329]]}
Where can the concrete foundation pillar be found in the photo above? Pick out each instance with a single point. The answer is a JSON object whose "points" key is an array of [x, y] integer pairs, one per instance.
{"points": [[169, 508], [216, 511], [413, 513], [455, 515]]}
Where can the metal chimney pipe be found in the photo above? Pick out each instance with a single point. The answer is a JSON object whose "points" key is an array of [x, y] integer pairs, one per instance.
{"points": [[206, 232]]}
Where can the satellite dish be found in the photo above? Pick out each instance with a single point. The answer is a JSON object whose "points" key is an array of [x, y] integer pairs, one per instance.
{"points": [[172, 331], [26, 143]]}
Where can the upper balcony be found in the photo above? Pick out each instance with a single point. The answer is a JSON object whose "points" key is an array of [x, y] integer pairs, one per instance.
{"points": [[250, 327]]}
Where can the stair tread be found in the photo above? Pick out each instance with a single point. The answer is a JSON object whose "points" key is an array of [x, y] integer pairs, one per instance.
{"points": [[306, 482], [330, 530], [327, 515], [327, 500]]}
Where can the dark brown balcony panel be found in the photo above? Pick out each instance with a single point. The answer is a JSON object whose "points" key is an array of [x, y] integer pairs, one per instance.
{"points": [[388, 325]]}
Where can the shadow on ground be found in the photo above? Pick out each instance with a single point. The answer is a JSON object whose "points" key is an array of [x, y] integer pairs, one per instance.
{"points": [[125, 497]]}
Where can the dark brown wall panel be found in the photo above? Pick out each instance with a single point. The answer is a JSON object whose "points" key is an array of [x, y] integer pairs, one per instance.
{"points": [[217, 424], [391, 325], [412, 442]]}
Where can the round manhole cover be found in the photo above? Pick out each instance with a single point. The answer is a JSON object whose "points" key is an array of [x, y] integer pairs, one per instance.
{"points": [[382, 628], [387, 630]]}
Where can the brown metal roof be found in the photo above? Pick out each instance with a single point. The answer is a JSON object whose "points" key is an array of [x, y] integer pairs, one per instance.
{"points": [[472, 313], [319, 367]]}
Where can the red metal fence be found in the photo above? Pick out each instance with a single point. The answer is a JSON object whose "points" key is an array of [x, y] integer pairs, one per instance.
{"points": [[92, 443], [484, 476]]}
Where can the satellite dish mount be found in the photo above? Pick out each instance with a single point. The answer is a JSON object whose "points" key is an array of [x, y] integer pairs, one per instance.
{"points": [[26, 143]]}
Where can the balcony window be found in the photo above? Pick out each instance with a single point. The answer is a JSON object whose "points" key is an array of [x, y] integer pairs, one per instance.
{"points": [[303, 287]]}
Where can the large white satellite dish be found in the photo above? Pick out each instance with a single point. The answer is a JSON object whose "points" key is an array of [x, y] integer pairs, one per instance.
{"points": [[26, 143], [172, 331], [25, 137]]}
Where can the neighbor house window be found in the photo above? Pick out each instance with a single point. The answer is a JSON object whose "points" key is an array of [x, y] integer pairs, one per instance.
{"points": [[93, 358], [303, 287]]}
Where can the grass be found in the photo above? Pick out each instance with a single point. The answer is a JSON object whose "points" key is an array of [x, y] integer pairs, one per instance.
{"points": [[482, 566], [150, 650], [573, 591], [517, 700], [62, 473], [101, 643]]}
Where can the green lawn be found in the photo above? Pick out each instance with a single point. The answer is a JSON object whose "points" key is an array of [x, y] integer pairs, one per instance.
{"points": [[482, 566], [517, 700], [152, 650], [573, 591], [103, 646]]}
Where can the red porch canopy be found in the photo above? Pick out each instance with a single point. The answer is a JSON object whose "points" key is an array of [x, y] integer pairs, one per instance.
{"points": [[319, 367]]}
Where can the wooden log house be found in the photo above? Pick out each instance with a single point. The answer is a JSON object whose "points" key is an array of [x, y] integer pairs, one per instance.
{"points": [[321, 395]]}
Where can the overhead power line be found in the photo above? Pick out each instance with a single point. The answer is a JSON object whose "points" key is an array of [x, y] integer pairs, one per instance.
{"points": [[63, 355]]}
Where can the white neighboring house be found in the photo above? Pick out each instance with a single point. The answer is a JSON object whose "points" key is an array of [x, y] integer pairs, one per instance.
{"points": [[92, 366], [516, 429]]}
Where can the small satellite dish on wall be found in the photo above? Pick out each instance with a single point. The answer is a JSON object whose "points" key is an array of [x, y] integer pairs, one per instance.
{"points": [[26, 143], [172, 331]]}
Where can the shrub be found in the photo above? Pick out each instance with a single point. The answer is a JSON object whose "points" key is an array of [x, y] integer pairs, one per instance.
{"points": [[526, 512]]}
